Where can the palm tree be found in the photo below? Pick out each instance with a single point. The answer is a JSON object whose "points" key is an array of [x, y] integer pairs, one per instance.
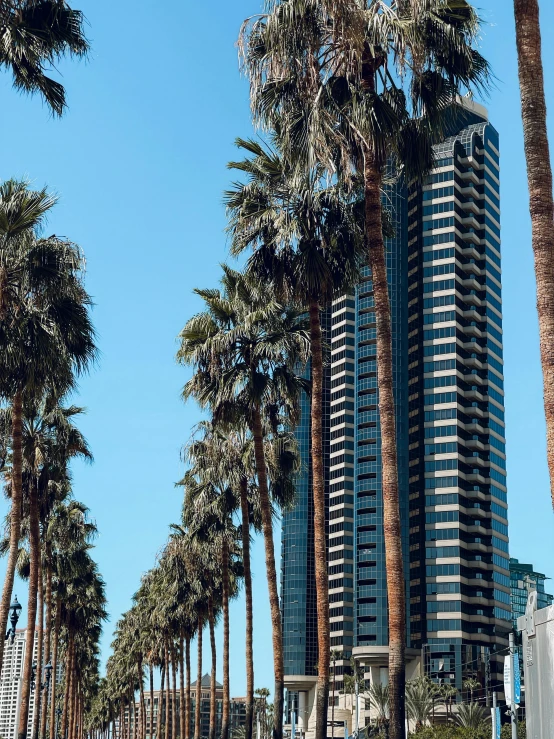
{"points": [[539, 176], [49, 441], [447, 693], [354, 116], [471, 685], [419, 701], [46, 337], [244, 349], [378, 695], [307, 241], [34, 37], [210, 503], [472, 716]]}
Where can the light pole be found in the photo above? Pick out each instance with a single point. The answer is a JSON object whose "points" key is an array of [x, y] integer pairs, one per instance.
{"points": [[47, 673], [58, 714], [15, 611]]}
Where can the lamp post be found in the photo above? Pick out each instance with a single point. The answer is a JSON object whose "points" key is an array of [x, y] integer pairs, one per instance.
{"points": [[47, 675], [15, 611], [58, 714]]}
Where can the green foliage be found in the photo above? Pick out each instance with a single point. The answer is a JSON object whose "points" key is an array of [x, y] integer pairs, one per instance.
{"points": [[453, 732], [507, 731]]}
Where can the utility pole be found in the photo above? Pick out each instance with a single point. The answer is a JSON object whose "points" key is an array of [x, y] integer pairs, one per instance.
{"points": [[513, 706], [494, 725]]}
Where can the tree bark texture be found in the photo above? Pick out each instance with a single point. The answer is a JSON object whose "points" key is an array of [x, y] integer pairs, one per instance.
{"points": [[174, 694], [188, 704], [541, 206], [182, 730], [391, 506], [271, 573], [55, 643], [161, 715], [40, 651], [211, 623], [15, 516], [245, 530], [34, 547], [198, 705], [47, 636], [320, 538], [151, 713], [167, 695], [225, 608]]}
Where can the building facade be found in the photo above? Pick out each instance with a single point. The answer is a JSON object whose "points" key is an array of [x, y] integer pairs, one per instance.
{"points": [[11, 683], [459, 561], [237, 710], [444, 273], [523, 580]]}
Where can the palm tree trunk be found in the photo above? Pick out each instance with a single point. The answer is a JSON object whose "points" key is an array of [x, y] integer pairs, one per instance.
{"points": [[40, 639], [73, 700], [225, 608], [539, 177], [198, 681], [167, 695], [34, 547], [245, 524], [188, 705], [67, 677], [142, 705], [174, 696], [55, 643], [15, 516], [182, 686], [211, 622], [160, 722], [320, 538], [271, 574], [391, 507], [151, 669], [47, 637]]}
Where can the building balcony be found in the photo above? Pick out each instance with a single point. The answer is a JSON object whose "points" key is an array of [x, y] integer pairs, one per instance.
{"points": [[470, 177], [475, 444], [471, 235], [472, 330]]}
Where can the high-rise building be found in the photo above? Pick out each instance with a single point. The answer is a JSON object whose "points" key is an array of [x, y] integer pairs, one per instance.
{"points": [[11, 683], [237, 715], [445, 289], [523, 580]]}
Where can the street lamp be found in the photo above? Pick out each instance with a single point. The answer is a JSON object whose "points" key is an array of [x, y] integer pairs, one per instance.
{"points": [[47, 675], [15, 610]]}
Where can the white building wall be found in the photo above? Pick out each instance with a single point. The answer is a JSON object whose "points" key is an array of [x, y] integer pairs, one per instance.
{"points": [[11, 681]]}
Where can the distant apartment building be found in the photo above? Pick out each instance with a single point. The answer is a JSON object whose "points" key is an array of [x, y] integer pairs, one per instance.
{"points": [[523, 580], [237, 710], [11, 683], [444, 273]]}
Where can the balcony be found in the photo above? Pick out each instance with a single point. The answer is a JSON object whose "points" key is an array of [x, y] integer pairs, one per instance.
{"points": [[470, 177], [471, 235]]}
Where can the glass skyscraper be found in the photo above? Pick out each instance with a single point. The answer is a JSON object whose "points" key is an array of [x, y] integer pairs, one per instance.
{"points": [[524, 579], [445, 289]]}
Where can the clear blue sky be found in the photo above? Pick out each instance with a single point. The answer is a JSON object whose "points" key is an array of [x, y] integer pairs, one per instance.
{"points": [[139, 163]]}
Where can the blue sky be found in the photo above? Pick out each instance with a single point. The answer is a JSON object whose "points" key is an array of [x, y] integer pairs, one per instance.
{"points": [[139, 162]]}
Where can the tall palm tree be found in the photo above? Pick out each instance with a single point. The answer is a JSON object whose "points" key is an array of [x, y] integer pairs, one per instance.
{"points": [[541, 204], [34, 36], [46, 337], [49, 441], [354, 115], [307, 241], [244, 348], [209, 506]]}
